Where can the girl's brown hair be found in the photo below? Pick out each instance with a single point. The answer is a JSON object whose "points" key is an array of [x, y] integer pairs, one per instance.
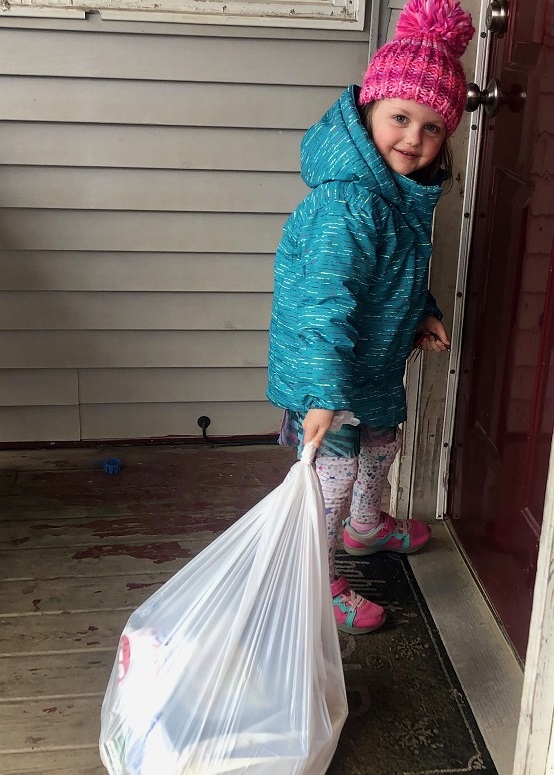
{"points": [[428, 175]]}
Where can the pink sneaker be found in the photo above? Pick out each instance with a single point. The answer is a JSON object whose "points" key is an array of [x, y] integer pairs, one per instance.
{"points": [[393, 535], [353, 613]]}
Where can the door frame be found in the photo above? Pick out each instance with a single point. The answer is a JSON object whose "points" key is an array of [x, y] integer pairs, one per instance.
{"points": [[534, 753]]}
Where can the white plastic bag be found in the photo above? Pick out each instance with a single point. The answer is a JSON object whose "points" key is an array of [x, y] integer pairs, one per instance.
{"points": [[234, 666]]}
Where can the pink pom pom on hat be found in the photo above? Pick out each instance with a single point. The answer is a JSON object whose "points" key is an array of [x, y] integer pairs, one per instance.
{"points": [[422, 63]]}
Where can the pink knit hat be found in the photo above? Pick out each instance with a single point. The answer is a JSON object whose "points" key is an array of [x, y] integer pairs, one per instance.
{"points": [[422, 63]]}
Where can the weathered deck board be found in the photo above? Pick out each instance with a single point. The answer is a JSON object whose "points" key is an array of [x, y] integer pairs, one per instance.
{"points": [[39, 524], [55, 675], [160, 503], [18, 598], [85, 761], [43, 634], [100, 559], [50, 724], [81, 458], [95, 482], [7, 480], [80, 550], [120, 529]]}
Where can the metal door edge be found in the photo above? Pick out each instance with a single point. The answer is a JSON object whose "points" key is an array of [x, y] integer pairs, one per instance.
{"points": [[470, 185]]}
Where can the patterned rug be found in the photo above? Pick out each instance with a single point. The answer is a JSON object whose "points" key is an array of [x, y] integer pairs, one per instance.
{"points": [[408, 713]]}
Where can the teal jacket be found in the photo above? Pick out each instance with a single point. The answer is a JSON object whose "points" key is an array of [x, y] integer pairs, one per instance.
{"points": [[351, 277]]}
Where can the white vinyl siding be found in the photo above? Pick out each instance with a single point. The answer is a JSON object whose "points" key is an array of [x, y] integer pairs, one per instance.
{"points": [[145, 179]]}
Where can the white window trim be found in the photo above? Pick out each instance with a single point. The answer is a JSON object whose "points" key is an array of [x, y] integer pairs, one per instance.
{"points": [[321, 14]]}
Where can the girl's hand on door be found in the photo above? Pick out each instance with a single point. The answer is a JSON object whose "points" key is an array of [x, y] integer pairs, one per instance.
{"points": [[431, 335]]}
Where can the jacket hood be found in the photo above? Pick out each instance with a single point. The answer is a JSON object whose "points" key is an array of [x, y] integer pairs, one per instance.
{"points": [[338, 148]]}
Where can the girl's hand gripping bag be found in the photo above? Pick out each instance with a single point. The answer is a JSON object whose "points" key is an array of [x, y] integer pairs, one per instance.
{"points": [[234, 666]]}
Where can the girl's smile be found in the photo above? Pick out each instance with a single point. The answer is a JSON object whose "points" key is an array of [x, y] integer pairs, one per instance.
{"points": [[408, 135]]}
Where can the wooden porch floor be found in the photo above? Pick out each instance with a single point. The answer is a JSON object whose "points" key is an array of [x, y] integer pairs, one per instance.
{"points": [[81, 549]]}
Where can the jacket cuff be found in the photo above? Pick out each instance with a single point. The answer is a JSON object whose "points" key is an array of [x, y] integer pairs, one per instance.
{"points": [[431, 308]]}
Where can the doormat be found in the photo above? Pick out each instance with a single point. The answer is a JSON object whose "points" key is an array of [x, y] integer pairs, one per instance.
{"points": [[408, 713]]}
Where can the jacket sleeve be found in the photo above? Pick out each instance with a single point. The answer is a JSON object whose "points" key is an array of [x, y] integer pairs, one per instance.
{"points": [[338, 258], [431, 307]]}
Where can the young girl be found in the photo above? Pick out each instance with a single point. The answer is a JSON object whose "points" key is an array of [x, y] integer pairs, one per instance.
{"points": [[351, 275]]}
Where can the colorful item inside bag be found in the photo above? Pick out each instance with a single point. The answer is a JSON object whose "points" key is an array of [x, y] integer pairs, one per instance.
{"points": [[234, 666]]}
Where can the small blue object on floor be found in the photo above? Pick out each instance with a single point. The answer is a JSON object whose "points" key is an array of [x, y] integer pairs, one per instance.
{"points": [[112, 465]]}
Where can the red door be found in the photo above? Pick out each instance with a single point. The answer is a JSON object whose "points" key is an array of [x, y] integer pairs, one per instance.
{"points": [[505, 410]]}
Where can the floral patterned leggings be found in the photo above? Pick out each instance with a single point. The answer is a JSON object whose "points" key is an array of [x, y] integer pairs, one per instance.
{"points": [[352, 466]]}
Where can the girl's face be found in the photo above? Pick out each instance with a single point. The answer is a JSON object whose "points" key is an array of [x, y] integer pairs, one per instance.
{"points": [[408, 135]]}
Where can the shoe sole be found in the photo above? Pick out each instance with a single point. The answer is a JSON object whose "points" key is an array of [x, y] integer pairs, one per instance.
{"points": [[365, 552], [360, 630]]}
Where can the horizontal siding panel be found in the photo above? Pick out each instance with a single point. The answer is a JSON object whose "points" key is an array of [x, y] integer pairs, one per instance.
{"points": [[134, 421], [148, 147], [94, 310], [166, 104], [144, 190], [38, 388], [150, 190], [126, 386], [132, 349], [150, 232], [39, 423], [69, 271], [163, 58]]}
